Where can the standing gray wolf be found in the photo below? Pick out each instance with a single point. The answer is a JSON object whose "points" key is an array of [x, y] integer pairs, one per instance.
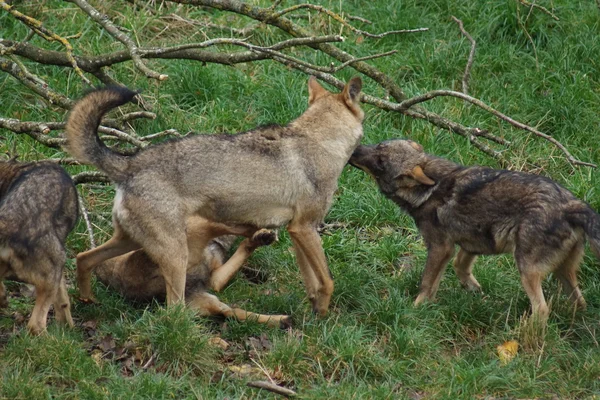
{"points": [[38, 209], [264, 178], [485, 211], [137, 277]]}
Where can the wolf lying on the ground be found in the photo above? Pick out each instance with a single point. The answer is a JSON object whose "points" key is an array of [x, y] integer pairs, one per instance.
{"points": [[38, 209], [485, 211], [137, 277], [265, 178]]}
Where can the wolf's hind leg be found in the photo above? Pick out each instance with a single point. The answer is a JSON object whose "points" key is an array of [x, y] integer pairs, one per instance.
{"points": [[62, 305], [567, 275], [222, 274], [463, 265], [119, 244], [531, 278], [207, 304], [45, 293]]}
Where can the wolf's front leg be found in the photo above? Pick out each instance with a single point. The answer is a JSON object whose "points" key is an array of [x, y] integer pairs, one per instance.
{"points": [[437, 258]]}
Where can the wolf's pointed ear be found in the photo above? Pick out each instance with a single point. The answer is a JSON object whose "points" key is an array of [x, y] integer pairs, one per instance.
{"points": [[418, 175], [351, 91], [315, 90]]}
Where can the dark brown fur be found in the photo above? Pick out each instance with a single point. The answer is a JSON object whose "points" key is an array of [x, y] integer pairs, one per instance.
{"points": [[38, 209], [264, 178], [135, 276], [485, 211]]}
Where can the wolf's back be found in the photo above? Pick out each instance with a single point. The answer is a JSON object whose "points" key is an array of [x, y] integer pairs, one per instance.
{"points": [[83, 142]]}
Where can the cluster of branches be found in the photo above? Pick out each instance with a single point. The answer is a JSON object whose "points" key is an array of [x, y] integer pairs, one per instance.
{"points": [[287, 20]]}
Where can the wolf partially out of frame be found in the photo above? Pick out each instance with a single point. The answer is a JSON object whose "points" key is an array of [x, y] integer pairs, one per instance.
{"points": [[485, 211]]}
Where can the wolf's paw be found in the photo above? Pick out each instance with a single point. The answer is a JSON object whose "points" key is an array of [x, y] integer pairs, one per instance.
{"points": [[263, 237], [88, 300], [286, 323]]}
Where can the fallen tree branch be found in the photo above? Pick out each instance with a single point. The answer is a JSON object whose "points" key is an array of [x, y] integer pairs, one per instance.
{"points": [[341, 20], [112, 29], [86, 218], [436, 93], [37, 27], [34, 83], [543, 9], [272, 388], [467, 74]]}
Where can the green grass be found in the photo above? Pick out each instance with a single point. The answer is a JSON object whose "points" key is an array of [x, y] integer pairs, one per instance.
{"points": [[373, 343]]}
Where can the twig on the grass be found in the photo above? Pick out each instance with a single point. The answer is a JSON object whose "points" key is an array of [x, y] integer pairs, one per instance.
{"points": [[37, 27], [341, 20], [467, 74], [114, 31], [86, 218], [272, 388], [149, 362], [543, 9], [522, 25]]}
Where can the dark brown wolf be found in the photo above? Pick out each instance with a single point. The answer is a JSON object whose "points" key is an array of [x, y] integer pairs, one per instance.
{"points": [[264, 178], [485, 211], [38, 209], [135, 276]]}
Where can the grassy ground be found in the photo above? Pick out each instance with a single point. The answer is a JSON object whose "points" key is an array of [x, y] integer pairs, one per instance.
{"points": [[373, 343]]}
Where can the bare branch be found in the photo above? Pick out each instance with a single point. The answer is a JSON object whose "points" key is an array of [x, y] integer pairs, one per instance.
{"points": [[34, 83], [272, 388], [522, 25], [341, 20], [467, 74], [86, 218], [37, 27], [166, 133], [543, 9], [121, 37], [436, 93]]}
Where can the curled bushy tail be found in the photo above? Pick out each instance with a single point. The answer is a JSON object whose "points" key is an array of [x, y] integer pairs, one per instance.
{"points": [[83, 142], [582, 215]]}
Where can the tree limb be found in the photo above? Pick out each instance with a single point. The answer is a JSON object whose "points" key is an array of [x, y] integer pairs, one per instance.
{"points": [[109, 27]]}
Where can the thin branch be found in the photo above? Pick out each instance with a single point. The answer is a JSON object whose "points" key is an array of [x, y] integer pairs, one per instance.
{"points": [[543, 9], [165, 133], [86, 218], [436, 93], [206, 24], [467, 74], [48, 35], [341, 20], [122, 135], [34, 83], [522, 25], [272, 388], [114, 31]]}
